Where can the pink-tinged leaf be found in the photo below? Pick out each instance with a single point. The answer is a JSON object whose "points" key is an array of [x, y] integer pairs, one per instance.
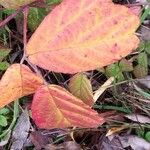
{"points": [[17, 82], [80, 86], [83, 35], [54, 107]]}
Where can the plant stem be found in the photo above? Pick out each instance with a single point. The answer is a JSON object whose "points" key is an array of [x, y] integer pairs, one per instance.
{"points": [[112, 108], [34, 67], [5, 21], [25, 14]]}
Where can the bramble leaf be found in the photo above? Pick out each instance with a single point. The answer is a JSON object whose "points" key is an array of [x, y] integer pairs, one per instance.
{"points": [[83, 35], [125, 65], [54, 107], [17, 82], [114, 70], [80, 86]]}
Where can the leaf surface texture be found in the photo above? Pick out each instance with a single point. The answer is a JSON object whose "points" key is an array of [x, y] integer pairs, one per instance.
{"points": [[18, 81], [83, 35], [55, 107]]}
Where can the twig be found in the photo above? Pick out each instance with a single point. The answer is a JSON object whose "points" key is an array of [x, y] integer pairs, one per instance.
{"points": [[25, 13], [34, 67], [5, 21]]}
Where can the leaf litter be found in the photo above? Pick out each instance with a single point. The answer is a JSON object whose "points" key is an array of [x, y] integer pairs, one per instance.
{"points": [[21, 131], [89, 138]]}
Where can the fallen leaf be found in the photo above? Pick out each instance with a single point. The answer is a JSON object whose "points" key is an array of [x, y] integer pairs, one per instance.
{"points": [[83, 35], [144, 82], [18, 81], [20, 132], [80, 86], [138, 118], [55, 107], [70, 145], [107, 144], [11, 4], [145, 33], [135, 142], [53, 147], [40, 140], [115, 130]]}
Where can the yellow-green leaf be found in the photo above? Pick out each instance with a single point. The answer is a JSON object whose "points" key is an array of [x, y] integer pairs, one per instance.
{"points": [[80, 86]]}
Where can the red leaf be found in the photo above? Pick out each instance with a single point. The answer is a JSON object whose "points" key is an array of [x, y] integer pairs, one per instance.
{"points": [[54, 107]]}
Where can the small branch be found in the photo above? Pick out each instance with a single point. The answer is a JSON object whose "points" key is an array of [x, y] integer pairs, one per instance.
{"points": [[25, 10], [5, 21], [25, 22]]}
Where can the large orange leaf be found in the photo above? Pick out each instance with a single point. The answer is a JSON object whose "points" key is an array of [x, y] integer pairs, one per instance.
{"points": [[54, 107], [81, 35], [80, 86], [17, 81]]}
